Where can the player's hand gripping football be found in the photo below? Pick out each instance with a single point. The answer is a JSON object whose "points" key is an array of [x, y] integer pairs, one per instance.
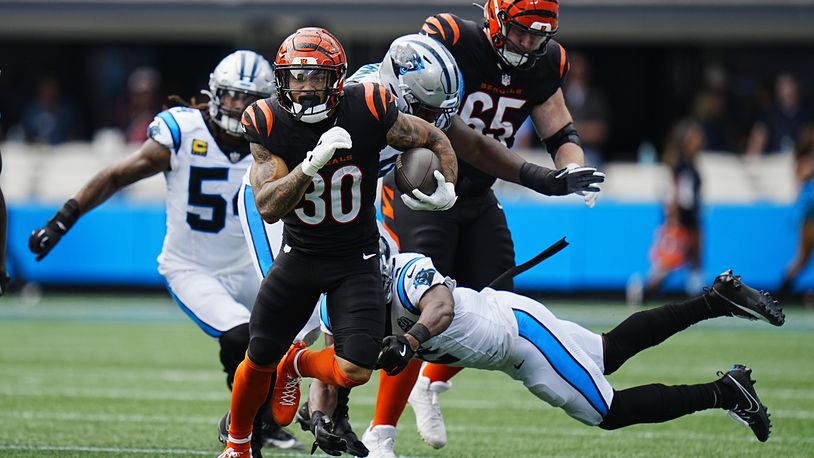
{"points": [[442, 199], [395, 355], [333, 139]]}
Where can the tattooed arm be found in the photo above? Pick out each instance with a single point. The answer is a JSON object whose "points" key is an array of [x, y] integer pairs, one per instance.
{"points": [[276, 190], [412, 132]]}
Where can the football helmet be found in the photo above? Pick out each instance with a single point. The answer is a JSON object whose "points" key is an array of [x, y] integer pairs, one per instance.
{"points": [[310, 71], [423, 75], [538, 20], [240, 75]]}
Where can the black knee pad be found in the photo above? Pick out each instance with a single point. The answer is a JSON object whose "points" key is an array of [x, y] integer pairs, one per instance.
{"points": [[360, 349], [233, 344], [266, 352]]}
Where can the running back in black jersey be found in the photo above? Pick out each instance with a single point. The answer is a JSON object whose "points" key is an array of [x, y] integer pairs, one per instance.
{"points": [[497, 99], [336, 215]]}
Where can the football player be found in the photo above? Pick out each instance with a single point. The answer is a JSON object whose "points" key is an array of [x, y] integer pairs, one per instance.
{"points": [[426, 82], [316, 148], [512, 69], [559, 361], [203, 156]]}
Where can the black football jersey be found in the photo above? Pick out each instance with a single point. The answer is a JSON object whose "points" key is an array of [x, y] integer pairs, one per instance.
{"points": [[497, 98], [336, 215]]}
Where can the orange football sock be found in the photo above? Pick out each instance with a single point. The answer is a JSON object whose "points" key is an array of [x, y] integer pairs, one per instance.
{"points": [[393, 393], [322, 365], [249, 392], [440, 372]]}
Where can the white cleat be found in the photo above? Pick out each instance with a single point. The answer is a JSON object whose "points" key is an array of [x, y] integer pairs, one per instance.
{"points": [[380, 440], [428, 419], [232, 453]]}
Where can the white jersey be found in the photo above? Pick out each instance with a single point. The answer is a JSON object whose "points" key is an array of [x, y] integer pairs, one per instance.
{"points": [[203, 228], [482, 331]]}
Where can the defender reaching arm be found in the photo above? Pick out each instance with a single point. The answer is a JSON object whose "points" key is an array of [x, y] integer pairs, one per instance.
{"points": [[151, 158]]}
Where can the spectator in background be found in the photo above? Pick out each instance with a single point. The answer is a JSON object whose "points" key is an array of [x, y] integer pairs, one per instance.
{"points": [[777, 128], [48, 118], [709, 108], [142, 103], [588, 107], [804, 172], [678, 241]]}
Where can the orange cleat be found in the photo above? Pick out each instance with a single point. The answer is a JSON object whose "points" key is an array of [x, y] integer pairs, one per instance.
{"points": [[285, 397]]}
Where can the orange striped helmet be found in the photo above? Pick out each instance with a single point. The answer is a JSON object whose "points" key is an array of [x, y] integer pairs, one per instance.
{"points": [[536, 20], [310, 73]]}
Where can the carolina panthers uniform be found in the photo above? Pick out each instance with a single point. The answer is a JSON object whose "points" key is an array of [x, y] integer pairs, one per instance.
{"points": [[558, 361], [471, 241], [330, 239], [204, 259]]}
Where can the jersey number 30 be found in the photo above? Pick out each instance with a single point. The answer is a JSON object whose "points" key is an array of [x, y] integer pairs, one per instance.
{"points": [[341, 211]]}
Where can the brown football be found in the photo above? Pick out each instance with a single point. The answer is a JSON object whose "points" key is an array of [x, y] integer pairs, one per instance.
{"points": [[414, 170]]}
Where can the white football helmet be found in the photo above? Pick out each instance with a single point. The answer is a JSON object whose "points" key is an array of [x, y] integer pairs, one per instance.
{"points": [[242, 74], [423, 75]]}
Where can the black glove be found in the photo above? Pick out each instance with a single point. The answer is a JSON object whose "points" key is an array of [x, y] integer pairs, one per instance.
{"points": [[567, 180], [5, 280], [395, 354], [323, 429], [44, 239]]}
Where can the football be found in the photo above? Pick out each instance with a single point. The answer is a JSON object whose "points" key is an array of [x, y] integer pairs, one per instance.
{"points": [[414, 170]]}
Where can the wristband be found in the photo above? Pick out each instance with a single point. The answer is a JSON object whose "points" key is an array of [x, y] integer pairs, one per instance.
{"points": [[66, 217], [420, 333]]}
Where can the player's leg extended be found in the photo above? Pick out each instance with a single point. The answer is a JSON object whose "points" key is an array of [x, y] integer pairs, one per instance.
{"points": [[282, 308], [728, 296], [557, 361]]}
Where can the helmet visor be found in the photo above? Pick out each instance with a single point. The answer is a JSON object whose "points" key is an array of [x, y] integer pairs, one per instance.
{"points": [[304, 81], [523, 40]]}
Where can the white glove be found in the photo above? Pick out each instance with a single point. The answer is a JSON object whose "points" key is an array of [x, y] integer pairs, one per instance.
{"points": [[590, 198], [585, 179], [442, 199], [333, 139]]}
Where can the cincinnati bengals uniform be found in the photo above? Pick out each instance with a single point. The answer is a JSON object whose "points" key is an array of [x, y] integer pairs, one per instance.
{"points": [[330, 237], [472, 240]]}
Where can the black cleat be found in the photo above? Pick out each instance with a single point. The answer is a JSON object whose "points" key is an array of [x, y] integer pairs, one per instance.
{"points": [[264, 434], [746, 302], [748, 409], [223, 428], [344, 430], [303, 417], [272, 435], [324, 436]]}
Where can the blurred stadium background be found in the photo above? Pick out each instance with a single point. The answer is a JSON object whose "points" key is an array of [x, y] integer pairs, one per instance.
{"points": [[81, 79]]}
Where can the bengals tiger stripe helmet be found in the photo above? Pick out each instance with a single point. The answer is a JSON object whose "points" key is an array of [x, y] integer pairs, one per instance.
{"points": [[315, 62], [539, 18]]}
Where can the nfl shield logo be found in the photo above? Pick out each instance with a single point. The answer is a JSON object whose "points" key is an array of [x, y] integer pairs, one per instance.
{"points": [[234, 157], [505, 80]]}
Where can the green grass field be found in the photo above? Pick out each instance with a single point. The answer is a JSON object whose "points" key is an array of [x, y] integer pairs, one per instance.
{"points": [[132, 376]]}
